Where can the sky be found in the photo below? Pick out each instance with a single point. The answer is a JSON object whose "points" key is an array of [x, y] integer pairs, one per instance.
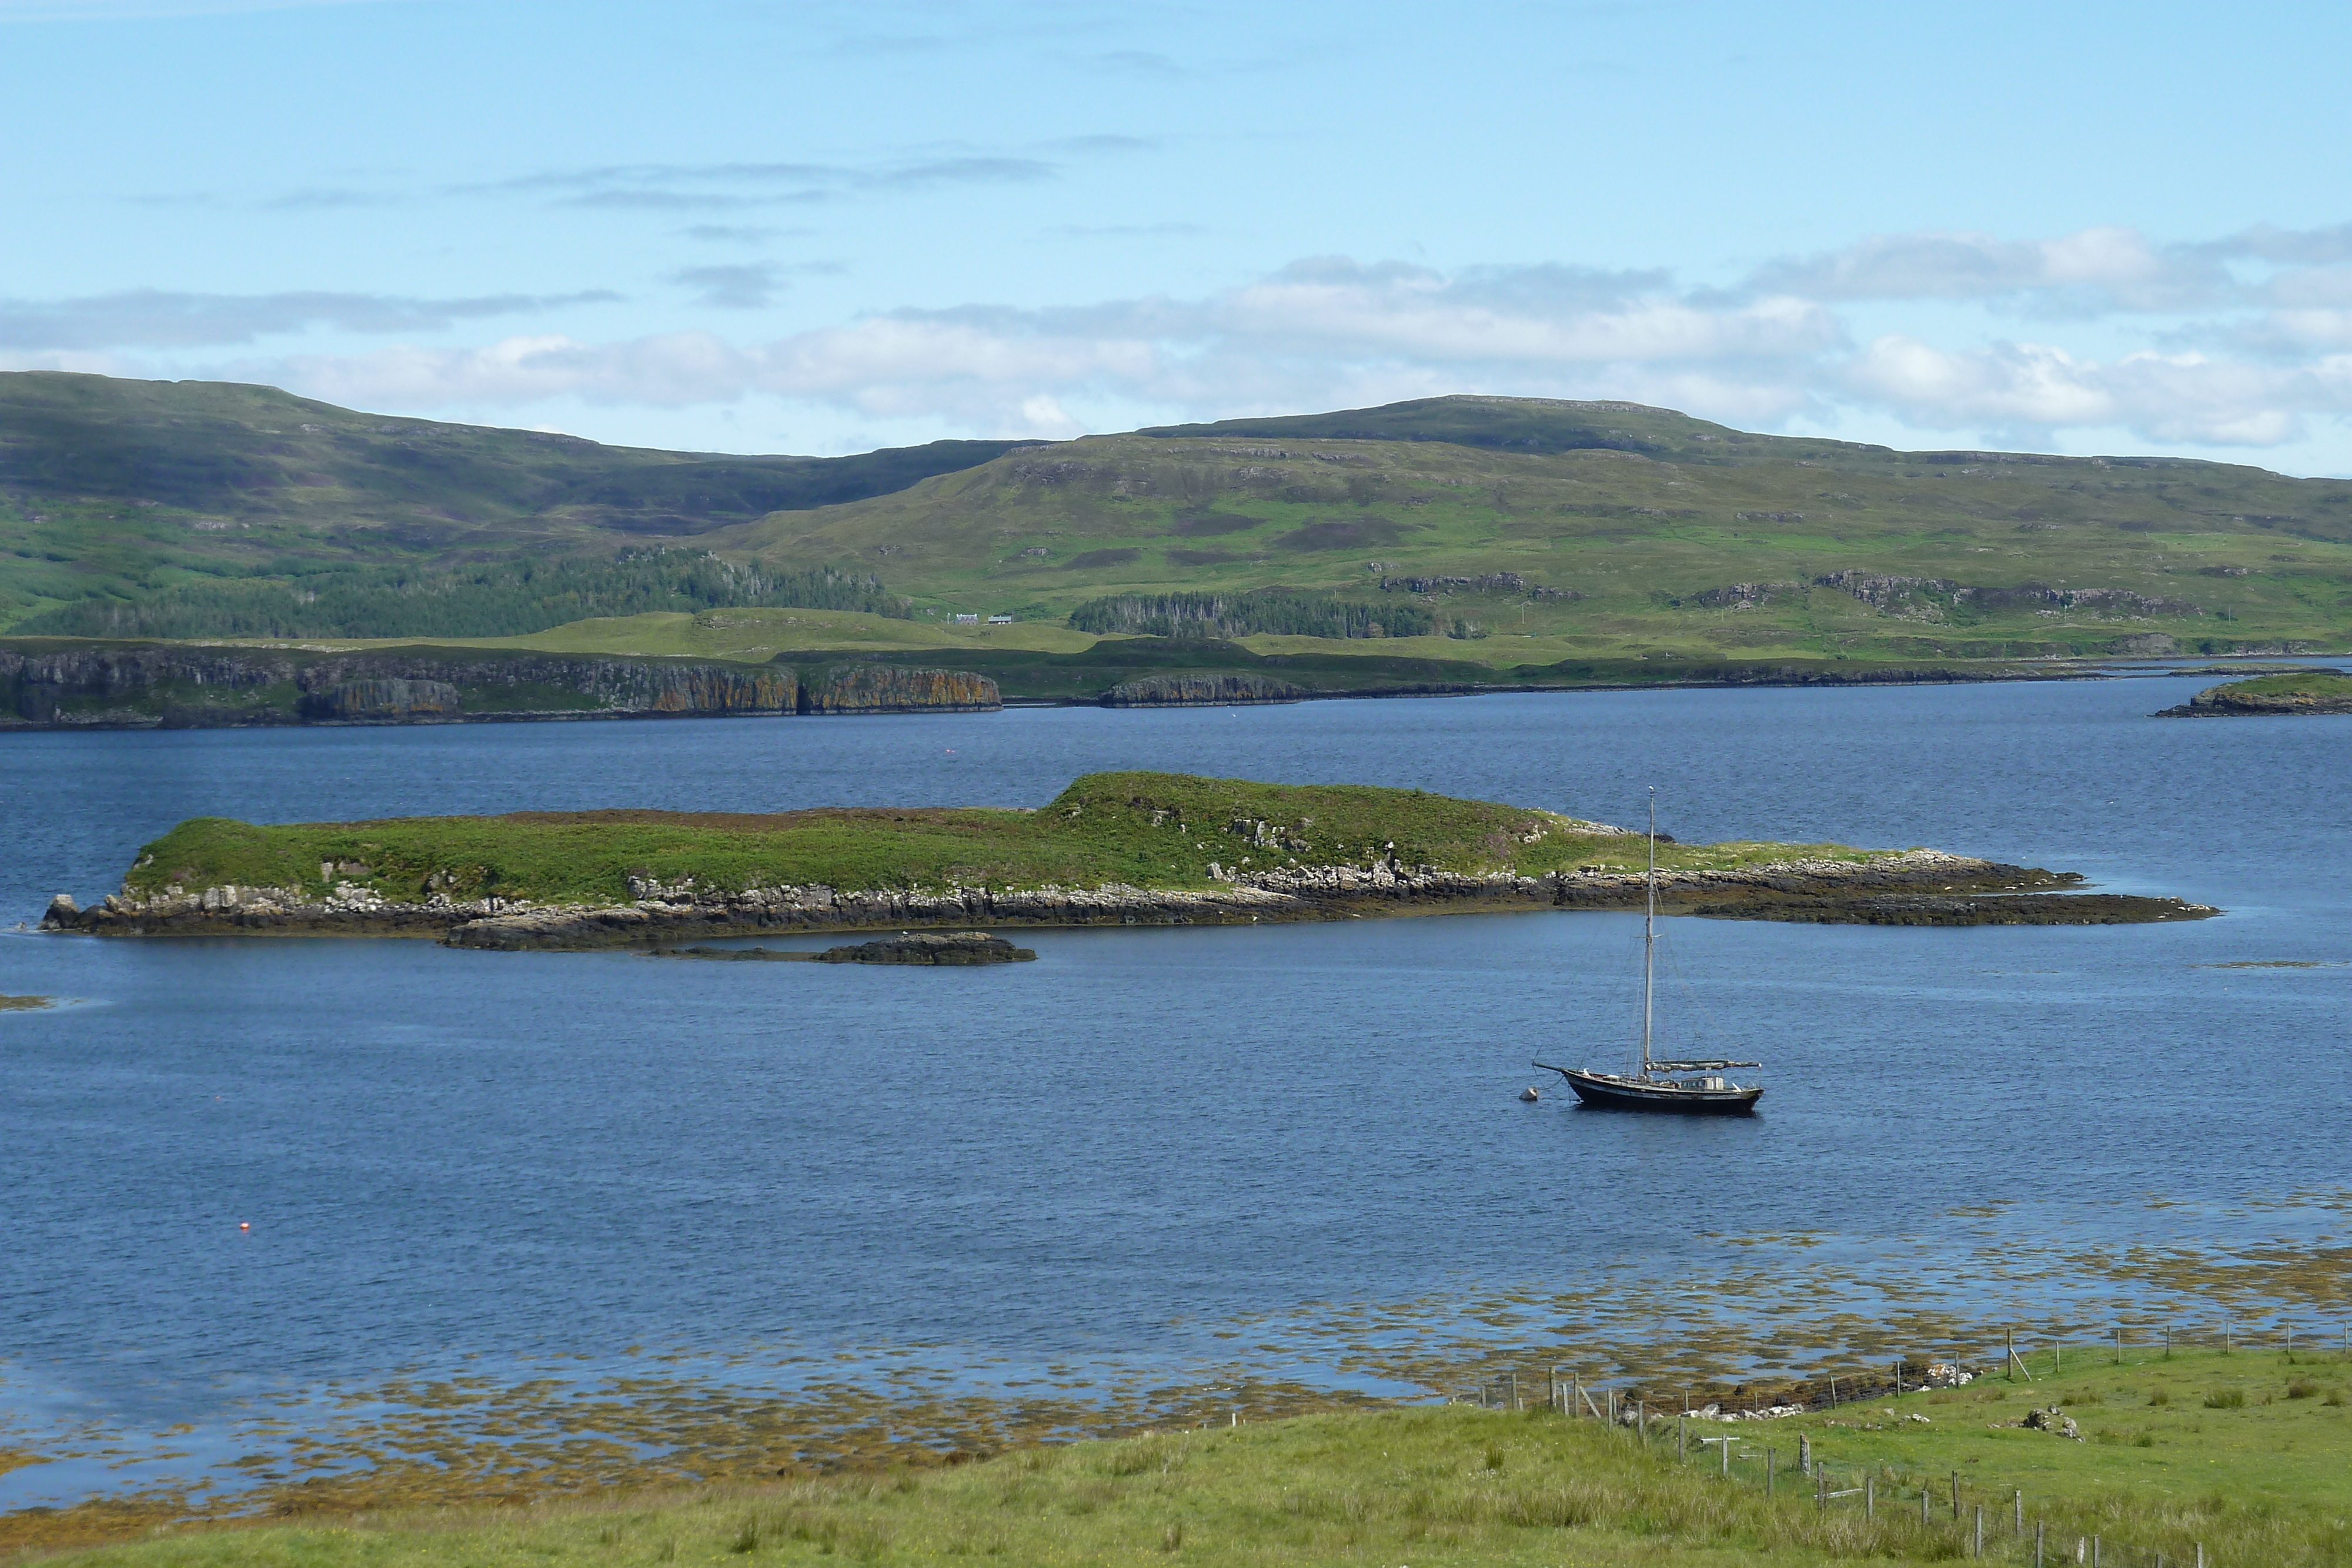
{"points": [[720, 225]]}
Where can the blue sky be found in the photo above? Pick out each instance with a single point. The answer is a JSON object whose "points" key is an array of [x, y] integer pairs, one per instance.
{"points": [[823, 227]]}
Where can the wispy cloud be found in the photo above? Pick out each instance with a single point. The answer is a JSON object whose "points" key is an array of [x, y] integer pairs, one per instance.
{"points": [[1127, 231], [716, 187], [161, 318], [108, 10], [2241, 342], [736, 233], [747, 286]]}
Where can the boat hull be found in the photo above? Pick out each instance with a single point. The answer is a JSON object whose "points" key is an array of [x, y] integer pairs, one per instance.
{"points": [[1613, 1093]]}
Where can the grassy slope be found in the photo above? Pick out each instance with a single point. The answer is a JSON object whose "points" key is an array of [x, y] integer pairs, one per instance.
{"points": [[2307, 683], [1638, 510], [2262, 1482], [1098, 831], [112, 486], [1697, 506]]}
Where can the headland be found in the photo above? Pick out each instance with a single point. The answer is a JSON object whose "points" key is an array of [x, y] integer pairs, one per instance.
{"points": [[2301, 692]]}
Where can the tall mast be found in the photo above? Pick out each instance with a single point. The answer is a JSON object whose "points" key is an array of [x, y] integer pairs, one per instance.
{"points": [[1649, 931]]}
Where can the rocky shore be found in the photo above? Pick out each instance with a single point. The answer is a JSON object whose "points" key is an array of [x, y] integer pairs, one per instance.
{"points": [[2312, 694], [1922, 887]]}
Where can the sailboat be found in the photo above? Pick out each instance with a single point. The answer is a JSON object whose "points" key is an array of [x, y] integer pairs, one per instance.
{"points": [[1687, 1088]]}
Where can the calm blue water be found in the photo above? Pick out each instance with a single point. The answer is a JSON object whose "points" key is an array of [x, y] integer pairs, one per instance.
{"points": [[512, 1154]]}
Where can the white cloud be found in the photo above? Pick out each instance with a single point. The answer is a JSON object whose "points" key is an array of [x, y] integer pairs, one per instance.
{"points": [[2250, 370], [2090, 271], [2169, 398]]}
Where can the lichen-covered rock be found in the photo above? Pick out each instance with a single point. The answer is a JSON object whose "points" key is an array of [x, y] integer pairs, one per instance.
{"points": [[387, 700], [1200, 691], [891, 688], [930, 947]]}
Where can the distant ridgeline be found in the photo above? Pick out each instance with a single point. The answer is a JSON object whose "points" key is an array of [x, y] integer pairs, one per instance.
{"points": [[1274, 611], [509, 599]]}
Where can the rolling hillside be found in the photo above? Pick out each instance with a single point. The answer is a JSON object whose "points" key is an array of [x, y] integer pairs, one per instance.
{"points": [[1501, 532], [121, 489], [1613, 528]]}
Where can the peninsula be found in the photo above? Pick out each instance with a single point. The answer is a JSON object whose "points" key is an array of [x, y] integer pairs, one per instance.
{"points": [[2304, 691], [1111, 849]]}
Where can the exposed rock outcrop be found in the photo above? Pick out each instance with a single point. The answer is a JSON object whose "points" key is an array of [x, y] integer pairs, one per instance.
{"points": [[1921, 887], [889, 688], [930, 947], [384, 700], [136, 686], [1200, 691], [2223, 702]]}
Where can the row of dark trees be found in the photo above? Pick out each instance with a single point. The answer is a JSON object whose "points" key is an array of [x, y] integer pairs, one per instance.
{"points": [[1276, 611]]}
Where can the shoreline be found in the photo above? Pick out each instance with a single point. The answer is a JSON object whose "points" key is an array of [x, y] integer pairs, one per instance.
{"points": [[1920, 887], [119, 720]]}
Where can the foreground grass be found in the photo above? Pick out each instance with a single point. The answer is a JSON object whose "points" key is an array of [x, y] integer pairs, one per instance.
{"points": [[2244, 1456], [1144, 830]]}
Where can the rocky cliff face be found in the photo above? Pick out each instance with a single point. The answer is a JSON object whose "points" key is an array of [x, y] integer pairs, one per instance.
{"points": [[1200, 691], [395, 700], [141, 685], [887, 688]]}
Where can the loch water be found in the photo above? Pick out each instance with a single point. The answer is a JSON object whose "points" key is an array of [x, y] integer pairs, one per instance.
{"points": [[447, 1153]]}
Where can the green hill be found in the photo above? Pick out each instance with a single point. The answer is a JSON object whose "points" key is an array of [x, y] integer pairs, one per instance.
{"points": [[1504, 532], [1607, 529], [119, 489]]}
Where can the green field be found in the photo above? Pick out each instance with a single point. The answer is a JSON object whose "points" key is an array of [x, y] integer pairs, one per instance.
{"points": [[1143, 830], [2243, 1456], [1528, 532]]}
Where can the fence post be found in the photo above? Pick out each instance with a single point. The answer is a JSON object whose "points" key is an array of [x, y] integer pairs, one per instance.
{"points": [[1956, 1496], [2119, 1344], [1726, 1458], [1804, 1455], [1870, 1497], [2039, 1530], [2095, 1552], [1979, 1529], [2021, 1512], [1515, 1406], [1771, 1464], [1820, 1488], [1682, 1439]]}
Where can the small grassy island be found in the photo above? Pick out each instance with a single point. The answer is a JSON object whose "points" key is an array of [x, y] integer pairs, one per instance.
{"points": [[1112, 849], [2304, 691]]}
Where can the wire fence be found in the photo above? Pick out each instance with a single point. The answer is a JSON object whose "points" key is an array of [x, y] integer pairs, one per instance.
{"points": [[1704, 1426]]}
